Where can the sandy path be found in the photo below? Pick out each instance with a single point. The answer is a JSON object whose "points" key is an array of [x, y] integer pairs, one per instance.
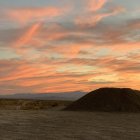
{"points": [[60, 125]]}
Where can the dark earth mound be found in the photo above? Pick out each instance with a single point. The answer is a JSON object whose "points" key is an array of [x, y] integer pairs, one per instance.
{"points": [[109, 100]]}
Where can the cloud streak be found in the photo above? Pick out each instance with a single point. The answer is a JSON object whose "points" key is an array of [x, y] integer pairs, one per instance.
{"points": [[33, 14], [95, 18], [23, 40], [95, 5]]}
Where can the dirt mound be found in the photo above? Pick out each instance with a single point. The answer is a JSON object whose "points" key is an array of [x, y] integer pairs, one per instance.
{"points": [[108, 99]]}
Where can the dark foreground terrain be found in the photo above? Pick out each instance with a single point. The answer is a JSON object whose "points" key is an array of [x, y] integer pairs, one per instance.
{"points": [[64, 125]]}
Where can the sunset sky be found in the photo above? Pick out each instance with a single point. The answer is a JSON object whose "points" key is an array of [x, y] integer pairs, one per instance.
{"points": [[68, 45]]}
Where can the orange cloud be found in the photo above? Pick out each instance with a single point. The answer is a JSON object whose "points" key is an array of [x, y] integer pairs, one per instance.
{"points": [[71, 50], [26, 14], [90, 21], [23, 40], [96, 18], [30, 83], [125, 48], [26, 70], [41, 77], [95, 5]]}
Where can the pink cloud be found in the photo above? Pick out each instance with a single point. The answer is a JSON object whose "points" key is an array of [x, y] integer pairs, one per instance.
{"points": [[25, 15], [92, 20], [44, 77], [26, 38], [95, 5]]}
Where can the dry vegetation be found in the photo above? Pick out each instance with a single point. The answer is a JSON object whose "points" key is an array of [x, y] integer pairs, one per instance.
{"points": [[21, 104]]}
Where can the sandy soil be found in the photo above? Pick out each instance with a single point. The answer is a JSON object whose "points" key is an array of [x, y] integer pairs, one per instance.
{"points": [[62, 125]]}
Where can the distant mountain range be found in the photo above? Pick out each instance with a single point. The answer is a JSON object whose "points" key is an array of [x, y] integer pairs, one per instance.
{"points": [[46, 96]]}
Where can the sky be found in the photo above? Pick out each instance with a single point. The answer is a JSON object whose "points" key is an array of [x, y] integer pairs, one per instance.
{"points": [[51, 46]]}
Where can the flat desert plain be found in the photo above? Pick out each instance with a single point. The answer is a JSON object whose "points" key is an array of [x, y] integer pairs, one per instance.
{"points": [[68, 125]]}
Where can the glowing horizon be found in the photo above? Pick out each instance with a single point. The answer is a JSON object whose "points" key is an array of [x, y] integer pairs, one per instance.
{"points": [[51, 46]]}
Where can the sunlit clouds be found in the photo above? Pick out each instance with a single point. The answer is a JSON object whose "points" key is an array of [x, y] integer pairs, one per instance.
{"points": [[95, 5], [66, 46], [27, 36], [25, 15]]}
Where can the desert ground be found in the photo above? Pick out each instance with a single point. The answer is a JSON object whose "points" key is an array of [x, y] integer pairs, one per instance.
{"points": [[55, 124]]}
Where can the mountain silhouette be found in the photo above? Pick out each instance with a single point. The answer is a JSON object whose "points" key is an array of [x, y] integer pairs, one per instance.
{"points": [[108, 99], [46, 96]]}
